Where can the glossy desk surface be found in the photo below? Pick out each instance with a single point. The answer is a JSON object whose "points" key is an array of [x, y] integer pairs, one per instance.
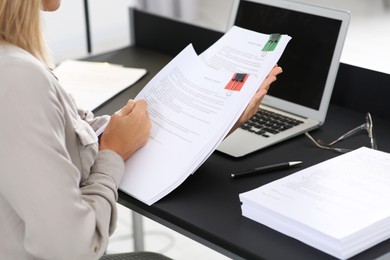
{"points": [[206, 206]]}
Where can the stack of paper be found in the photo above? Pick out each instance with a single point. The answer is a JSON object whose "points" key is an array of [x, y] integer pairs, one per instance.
{"points": [[340, 206], [93, 83], [193, 106]]}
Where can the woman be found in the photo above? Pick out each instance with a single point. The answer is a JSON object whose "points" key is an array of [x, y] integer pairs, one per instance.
{"points": [[58, 185]]}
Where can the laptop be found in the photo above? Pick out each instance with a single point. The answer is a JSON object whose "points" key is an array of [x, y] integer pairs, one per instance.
{"points": [[310, 63]]}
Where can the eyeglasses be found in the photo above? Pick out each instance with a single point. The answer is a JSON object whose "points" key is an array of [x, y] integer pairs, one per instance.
{"points": [[368, 126]]}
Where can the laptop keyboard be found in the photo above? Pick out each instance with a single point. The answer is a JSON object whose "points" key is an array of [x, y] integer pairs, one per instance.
{"points": [[266, 122]]}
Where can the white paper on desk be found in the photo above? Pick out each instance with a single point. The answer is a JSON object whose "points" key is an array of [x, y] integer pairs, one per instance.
{"points": [[93, 83], [340, 206], [190, 113]]}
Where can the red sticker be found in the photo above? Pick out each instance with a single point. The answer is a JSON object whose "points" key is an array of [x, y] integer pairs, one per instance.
{"points": [[237, 81]]}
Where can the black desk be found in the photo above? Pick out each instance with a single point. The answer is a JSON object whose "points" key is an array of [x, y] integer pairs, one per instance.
{"points": [[206, 207]]}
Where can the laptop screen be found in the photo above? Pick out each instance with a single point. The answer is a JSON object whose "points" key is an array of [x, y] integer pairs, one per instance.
{"points": [[308, 56]]}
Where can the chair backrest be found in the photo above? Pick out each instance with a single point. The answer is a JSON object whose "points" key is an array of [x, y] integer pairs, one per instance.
{"points": [[362, 90]]}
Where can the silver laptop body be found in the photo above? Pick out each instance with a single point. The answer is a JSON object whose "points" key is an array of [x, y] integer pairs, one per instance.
{"points": [[310, 64]]}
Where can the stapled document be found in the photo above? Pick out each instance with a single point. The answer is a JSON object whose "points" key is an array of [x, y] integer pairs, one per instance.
{"points": [[192, 111]]}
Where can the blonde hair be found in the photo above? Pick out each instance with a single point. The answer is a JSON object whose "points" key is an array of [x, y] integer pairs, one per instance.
{"points": [[20, 25]]}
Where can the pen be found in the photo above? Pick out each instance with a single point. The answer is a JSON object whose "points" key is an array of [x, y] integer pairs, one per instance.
{"points": [[267, 168]]}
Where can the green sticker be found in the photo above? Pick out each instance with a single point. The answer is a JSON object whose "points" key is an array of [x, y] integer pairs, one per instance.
{"points": [[272, 42]]}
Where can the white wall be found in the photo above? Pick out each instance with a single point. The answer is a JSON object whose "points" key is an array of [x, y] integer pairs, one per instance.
{"points": [[109, 21], [65, 31], [368, 39], [212, 14]]}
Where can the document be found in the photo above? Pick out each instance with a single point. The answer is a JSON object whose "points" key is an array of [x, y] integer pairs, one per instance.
{"points": [[192, 107], [340, 206], [93, 83], [234, 53]]}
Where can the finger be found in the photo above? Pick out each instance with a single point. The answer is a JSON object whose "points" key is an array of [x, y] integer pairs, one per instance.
{"points": [[255, 102], [267, 82], [140, 105], [277, 70], [260, 95], [257, 98], [272, 77], [126, 109], [141, 108]]}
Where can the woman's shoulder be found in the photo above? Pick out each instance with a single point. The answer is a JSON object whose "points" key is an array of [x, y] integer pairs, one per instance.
{"points": [[15, 60], [21, 71]]}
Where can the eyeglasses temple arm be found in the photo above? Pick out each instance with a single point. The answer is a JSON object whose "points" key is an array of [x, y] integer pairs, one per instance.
{"points": [[340, 150], [348, 134]]}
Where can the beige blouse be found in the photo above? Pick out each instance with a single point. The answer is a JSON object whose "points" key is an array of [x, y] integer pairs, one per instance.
{"points": [[57, 191]]}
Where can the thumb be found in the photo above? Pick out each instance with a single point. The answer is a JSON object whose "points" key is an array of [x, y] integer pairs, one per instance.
{"points": [[126, 109]]}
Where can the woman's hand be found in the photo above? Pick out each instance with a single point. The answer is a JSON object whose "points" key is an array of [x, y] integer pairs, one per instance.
{"points": [[254, 104], [128, 129]]}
